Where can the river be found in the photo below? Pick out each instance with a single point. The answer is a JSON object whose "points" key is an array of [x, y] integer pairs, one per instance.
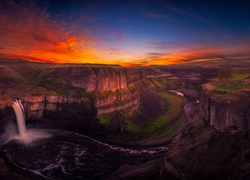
{"points": [[68, 155]]}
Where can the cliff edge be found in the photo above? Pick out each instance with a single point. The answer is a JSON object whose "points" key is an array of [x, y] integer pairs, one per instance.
{"points": [[225, 110]]}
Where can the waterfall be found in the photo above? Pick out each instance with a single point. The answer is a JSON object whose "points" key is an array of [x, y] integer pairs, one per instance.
{"points": [[24, 135], [20, 116]]}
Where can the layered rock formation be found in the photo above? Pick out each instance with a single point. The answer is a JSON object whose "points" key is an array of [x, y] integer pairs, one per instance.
{"points": [[230, 113], [5, 102], [125, 100], [38, 106], [134, 76], [99, 79], [114, 88], [108, 90]]}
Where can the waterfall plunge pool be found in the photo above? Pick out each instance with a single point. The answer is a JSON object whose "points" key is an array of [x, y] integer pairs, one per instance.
{"points": [[67, 155], [56, 154]]}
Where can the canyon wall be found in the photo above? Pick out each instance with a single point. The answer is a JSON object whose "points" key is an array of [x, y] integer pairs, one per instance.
{"points": [[114, 88], [108, 90], [37, 106], [126, 100], [228, 113], [99, 79]]}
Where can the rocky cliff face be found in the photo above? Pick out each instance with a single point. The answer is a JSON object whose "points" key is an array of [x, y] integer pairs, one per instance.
{"points": [[115, 89], [5, 102], [134, 76], [125, 100], [109, 89], [226, 114], [99, 79], [38, 106]]}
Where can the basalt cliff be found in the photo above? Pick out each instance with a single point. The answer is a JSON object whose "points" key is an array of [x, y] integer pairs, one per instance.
{"points": [[214, 142], [84, 90], [104, 90], [226, 111]]}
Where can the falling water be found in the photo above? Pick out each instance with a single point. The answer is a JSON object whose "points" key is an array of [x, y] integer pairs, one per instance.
{"points": [[24, 135], [20, 117]]}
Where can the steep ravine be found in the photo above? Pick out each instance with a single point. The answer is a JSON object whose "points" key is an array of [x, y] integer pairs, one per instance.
{"points": [[214, 143]]}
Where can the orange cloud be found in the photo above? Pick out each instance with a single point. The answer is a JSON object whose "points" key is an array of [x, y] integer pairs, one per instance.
{"points": [[187, 55], [29, 31]]}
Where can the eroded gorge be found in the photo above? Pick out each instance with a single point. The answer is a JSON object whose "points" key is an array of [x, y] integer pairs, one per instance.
{"points": [[201, 121]]}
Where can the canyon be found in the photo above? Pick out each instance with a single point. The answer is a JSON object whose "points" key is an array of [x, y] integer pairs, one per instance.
{"points": [[137, 106]]}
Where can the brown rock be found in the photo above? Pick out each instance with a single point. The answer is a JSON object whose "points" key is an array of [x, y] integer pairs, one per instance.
{"points": [[225, 114]]}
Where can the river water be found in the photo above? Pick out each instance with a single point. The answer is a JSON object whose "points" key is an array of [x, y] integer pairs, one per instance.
{"points": [[67, 155]]}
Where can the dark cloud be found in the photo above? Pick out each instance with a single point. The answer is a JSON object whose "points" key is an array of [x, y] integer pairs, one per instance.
{"points": [[207, 57], [156, 54]]}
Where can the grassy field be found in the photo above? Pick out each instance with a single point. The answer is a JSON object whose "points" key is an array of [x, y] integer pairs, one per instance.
{"points": [[105, 120], [235, 82], [229, 86], [173, 128], [158, 83], [173, 112]]}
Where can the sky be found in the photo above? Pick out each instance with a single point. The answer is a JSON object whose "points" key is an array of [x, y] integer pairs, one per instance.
{"points": [[125, 32]]}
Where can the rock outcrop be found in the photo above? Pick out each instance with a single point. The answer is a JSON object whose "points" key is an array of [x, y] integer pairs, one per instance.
{"points": [[98, 79], [134, 76], [125, 100], [37, 106], [5, 102], [230, 113]]}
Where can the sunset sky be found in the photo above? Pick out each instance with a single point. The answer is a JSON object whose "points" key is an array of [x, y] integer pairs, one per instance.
{"points": [[126, 32]]}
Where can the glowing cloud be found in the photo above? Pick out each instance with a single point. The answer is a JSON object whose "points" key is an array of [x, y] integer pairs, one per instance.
{"points": [[91, 32], [30, 31]]}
